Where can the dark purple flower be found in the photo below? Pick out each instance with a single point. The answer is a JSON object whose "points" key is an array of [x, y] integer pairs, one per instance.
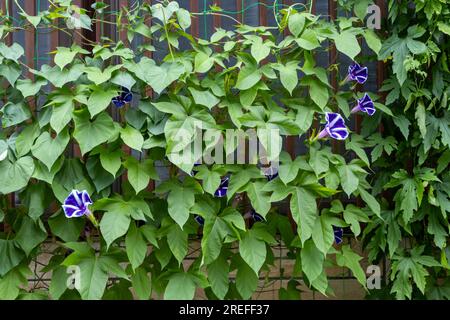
{"points": [[76, 204], [223, 188], [199, 219], [125, 97], [338, 234], [270, 172], [335, 127], [254, 215], [365, 104], [357, 73]]}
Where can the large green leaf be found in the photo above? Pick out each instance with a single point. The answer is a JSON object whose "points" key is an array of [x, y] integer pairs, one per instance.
{"points": [[13, 114], [48, 149], [136, 246], [312, 260], [114, 225], [253, 251], [304, 211], [141, 283], [248, 77], [111, 161], [349, 180], [132, 138], [60, 77], [66, 229], [180, 200], [260, 199], [99, 100], [204, 98], [13, 281], [10, 71], [181, 286], [246, 281], [30, 235], [93, 278], [218, 277], [322, 234], [11, 255], [90, 134], [347, 43], [30, 88], [139, 173], [288, 75], [348, 258], [259, 49], [158, 77], [296, 23], [15, 176], [177, 240]]}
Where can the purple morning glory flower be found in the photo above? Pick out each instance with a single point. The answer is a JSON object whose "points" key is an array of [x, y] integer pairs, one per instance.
{"points": [[357, 73], [254, 215], [365, 104], [223, 188], [338, 234], [125, 97], [335, 127], [77, 205], [199, 219]]}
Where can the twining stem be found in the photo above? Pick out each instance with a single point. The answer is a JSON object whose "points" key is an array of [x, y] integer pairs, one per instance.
{"points": [[216, 14], [167, 36], [91, 218]]}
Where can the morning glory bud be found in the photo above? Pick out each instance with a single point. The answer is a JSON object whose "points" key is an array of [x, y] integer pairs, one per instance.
{"points": [[365, 104], [223, 188], [199, 219], [338, 234], [335, 127], [254, 215], [125, 97]]}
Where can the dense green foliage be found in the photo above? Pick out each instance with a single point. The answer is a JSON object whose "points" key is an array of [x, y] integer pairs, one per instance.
{"points": [[251, 77], [413, 178]]}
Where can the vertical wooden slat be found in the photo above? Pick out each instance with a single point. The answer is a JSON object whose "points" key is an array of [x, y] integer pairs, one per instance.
{"points": [[262, 13], [77, 36], [195, 21], [30, 38], [239, 7]]}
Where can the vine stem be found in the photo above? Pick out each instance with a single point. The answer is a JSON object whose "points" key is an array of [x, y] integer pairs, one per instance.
{"points": [[216, 14], [167, 35], [311, 6]]}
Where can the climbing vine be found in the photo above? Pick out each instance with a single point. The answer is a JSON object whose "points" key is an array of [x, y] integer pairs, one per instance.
{"points": [[82, 141]]}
